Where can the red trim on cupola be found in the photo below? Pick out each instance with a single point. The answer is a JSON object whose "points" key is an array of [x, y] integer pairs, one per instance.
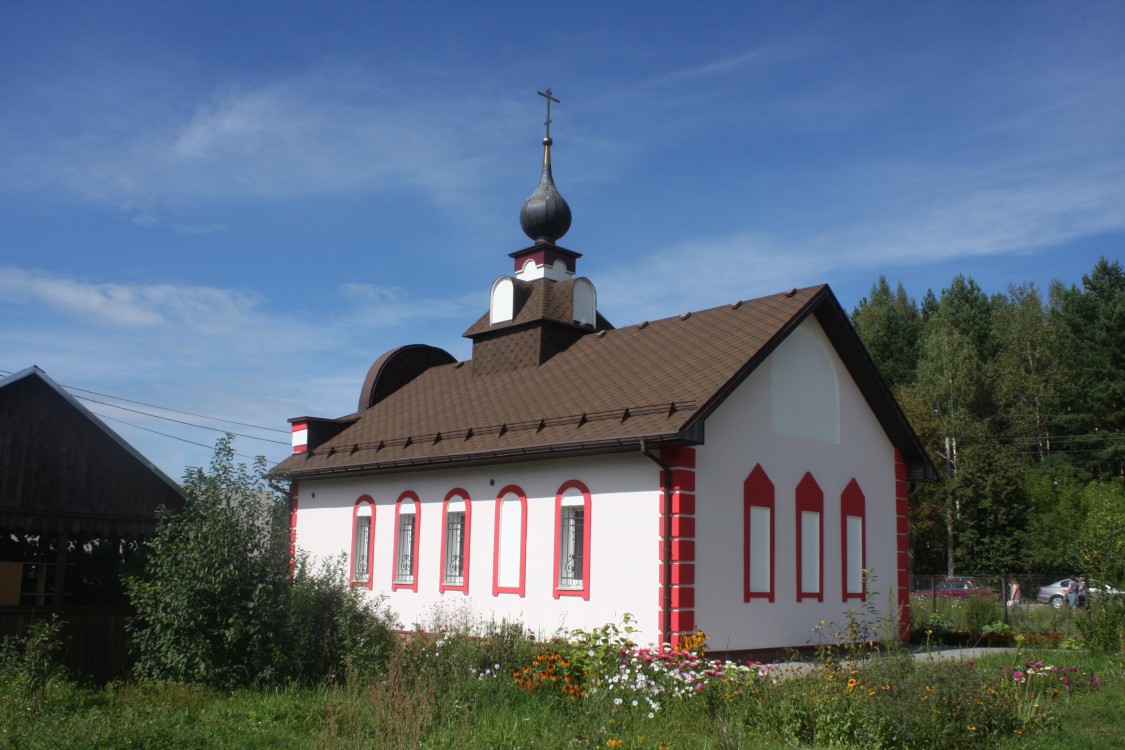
{"points": [[545, 255]]}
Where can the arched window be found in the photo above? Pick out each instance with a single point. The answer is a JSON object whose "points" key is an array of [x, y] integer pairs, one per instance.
{"points": [[758, 536], [363, 540], [509, 558], [456, 521], [572, 540], [584, 303], [810, 539], [503, 300], [408, 511], [853, 541]]}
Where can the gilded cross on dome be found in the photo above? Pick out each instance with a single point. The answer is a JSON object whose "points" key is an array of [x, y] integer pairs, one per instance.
{"points": [[549, 96]]}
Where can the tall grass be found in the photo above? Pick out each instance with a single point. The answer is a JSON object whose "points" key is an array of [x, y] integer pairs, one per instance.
{"points": [[472, 684]]}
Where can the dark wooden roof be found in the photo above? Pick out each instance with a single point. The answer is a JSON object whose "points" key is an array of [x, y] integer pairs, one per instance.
{"points": [[656, 381], [62, 469]]}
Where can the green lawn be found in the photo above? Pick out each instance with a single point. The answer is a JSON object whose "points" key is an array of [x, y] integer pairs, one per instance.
{"points": [[430, 698]]}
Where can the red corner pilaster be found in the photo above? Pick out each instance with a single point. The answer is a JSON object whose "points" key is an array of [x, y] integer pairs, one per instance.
{"points": [[678, 594], [902, 529], [294, 493]]}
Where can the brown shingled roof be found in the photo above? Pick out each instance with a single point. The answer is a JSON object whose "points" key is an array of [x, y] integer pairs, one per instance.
{"points": [[656, 381]]}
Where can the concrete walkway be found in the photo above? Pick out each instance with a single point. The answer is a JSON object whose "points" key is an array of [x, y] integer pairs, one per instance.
{"points": [[943, 653]]}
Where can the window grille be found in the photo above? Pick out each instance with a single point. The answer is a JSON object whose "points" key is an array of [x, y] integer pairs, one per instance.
{"points": [[455, 548], [362, 564], [404, 567], [571, 552]]}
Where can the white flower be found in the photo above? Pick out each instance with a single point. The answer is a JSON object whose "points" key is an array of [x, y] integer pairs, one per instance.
{"points": [[617, 701]]}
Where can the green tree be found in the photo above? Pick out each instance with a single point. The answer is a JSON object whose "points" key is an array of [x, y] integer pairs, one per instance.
{"points": [[1024, 373], [222, 604], [1092, 401], [994, 511], [890, 325], [214, 589], [1098, 549]]}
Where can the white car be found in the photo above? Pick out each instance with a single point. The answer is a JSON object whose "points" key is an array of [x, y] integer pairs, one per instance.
{"points": [[1055, 593]]}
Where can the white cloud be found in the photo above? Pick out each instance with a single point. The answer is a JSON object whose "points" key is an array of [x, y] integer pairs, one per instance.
{"points": [[326, 131], [129, 305]]}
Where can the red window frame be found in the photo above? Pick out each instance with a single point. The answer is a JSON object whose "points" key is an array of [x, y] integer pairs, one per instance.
{"points": [[853, 503], [757, 491], [363, 499], [521, 589], [584, 590], [810, 498], [413, 585], [466, 535]]}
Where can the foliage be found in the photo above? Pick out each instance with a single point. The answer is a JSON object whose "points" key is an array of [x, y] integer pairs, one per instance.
{"points": [[219, 604], [418, 700], [1020, 400], [1099, 546], [30, 663]]}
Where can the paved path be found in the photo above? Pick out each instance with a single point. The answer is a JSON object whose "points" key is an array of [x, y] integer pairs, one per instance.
{"points": [[947, 653]]}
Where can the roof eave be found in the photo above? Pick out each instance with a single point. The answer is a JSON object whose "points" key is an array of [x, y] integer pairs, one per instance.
{"points": [[575, 449]]}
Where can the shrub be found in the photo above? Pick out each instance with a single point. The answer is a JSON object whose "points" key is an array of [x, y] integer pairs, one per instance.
{"points": [[1103, 624], [979, 612], [30, 663], [219, 605]]}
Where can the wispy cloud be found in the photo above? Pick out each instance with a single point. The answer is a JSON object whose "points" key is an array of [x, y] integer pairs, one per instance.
{"points": [[129, 305], [325, 131]]}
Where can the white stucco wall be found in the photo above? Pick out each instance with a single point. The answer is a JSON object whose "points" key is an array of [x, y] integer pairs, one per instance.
{"points": [[746, 431], [623, 540]]}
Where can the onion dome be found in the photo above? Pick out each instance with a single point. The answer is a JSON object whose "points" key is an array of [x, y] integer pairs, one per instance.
{"points": [[545, 215]]}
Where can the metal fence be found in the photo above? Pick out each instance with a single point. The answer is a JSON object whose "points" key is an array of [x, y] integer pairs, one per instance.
{"points": [[996, 587]]}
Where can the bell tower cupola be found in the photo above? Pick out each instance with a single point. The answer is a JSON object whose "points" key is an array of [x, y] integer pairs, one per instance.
{"points": [[545, 307]]}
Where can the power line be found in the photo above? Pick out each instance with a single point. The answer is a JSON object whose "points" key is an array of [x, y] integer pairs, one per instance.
{"points": [[180, 421], [164, 434], [162, 408]]}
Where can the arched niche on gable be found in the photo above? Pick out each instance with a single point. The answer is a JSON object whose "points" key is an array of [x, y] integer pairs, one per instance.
{"points": [[585, 302], [805, 391], [502, 302]]}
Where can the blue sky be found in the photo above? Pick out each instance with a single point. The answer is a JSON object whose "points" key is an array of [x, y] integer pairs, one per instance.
{"points": [[232, 209]]}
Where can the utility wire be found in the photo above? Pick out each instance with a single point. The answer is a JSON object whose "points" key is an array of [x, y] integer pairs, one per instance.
{"points": [[165, 434], [162, 408], [180, 421]]}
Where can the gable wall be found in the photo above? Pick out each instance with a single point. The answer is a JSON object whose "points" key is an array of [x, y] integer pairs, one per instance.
{"points": [[744, 432], [624, 549]]}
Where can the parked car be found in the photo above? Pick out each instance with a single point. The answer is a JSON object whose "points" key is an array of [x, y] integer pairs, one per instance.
{"points": [[1055, 593], [959, 588]]}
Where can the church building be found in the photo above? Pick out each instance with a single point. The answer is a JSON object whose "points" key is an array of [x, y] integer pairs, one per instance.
{"points": [[741, 469]]}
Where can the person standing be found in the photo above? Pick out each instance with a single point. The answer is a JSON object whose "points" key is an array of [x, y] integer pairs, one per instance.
{"points": [[1081, 591], [1072, 593], [1014, 594]]}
